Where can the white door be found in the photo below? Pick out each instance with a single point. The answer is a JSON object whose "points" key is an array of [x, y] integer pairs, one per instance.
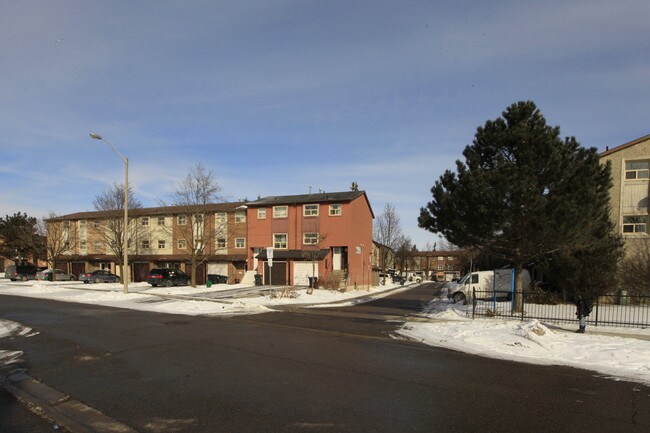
{"points": [[302, 271], [336, 258]]}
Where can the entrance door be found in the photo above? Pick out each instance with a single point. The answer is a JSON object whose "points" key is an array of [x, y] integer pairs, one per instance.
{"points": [[140, 272], [278, 273]]}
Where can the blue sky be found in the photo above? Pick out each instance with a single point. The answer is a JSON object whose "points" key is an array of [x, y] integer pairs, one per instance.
{"points": [[274, 96]]}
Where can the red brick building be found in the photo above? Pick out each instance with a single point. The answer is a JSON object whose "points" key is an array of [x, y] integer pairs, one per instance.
{"points": [[327, 235]]}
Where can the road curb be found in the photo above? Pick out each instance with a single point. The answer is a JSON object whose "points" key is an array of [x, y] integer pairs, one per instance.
{"points": [[59, 408]]}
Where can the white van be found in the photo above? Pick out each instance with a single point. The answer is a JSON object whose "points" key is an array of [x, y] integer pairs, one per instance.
{"points": [[500, 282]]}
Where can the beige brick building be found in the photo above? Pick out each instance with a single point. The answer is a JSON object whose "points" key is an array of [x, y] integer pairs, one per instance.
{"points": [[631, 190]]}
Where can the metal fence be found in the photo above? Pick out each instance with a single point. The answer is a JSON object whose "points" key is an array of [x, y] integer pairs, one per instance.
{"points": [[621, 310]]}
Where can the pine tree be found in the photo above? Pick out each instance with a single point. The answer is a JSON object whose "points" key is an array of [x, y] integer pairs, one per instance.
{"points": [[522, 193]]}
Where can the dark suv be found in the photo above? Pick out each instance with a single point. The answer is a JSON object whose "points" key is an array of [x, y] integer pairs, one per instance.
{"points": [[167, 277], [22, 272]]}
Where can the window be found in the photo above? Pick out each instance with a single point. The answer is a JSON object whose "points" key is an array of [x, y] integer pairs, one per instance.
{"points": [[280, 241], [440, 258], [221, 243], [240, 217], [310, 210], [144, 221], [198, 219], [450, 258], [66, 245], [161, 244], [97, 246], [181, 244], [637, 170], [66, 224], [441, 267], [182, 220], [336, 209], [280, 211], [310, 238], [96, 224], [161, 220], [635, 224], [82, 245], [240, 243], [261, 213], [144, 244], [222, 217], [82, 224]]}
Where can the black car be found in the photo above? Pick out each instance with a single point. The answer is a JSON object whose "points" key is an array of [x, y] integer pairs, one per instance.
{"points": [[168, 277], [99, 276]]}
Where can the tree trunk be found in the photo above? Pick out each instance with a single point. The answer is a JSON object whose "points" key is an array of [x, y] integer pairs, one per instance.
{"points": [[519, 297]]}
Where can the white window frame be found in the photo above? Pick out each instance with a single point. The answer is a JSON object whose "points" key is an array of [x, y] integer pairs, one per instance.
{"points": [[240, 217], [280, 244], [638, 173], [181, 244], [635, 227], [310, 238], [261, 213], [97, 224], [240, 243], [97, 246], [145, 244], [182, 220], [144, 221], [83, 245], [336, 209], [281, 211], [221, 243], [162, 244], [221, 218], [310, 210], [82, 224], [161, 220]]}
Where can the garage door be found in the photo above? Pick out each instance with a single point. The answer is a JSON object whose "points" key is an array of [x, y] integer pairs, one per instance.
{"points": [[219, 268], [302, 271]]}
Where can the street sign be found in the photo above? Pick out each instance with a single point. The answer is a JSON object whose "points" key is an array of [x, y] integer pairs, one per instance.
{"points": [[269, 256]]}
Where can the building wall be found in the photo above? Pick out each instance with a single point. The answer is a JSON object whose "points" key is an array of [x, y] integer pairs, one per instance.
{"points": [[629, 197], [351, 230]]}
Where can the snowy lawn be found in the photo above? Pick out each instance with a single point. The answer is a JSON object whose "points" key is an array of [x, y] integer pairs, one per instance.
{"points": [[609, 351]]}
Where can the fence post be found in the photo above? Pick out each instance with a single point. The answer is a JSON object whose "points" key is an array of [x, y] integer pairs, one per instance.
{"points": [[473, 302], [523, 305], [597, 298]]}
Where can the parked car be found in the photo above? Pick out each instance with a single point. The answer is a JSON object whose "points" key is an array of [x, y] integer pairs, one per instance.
{"points": [[59, 275], [99, 276], [168, 277], [22, 272]]}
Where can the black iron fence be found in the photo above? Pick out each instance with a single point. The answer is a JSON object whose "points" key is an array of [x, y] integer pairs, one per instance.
{"points": [[621, 310]]}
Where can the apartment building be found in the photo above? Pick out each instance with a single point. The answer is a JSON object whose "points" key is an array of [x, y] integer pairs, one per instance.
{"points": [[324, 235], [158, 237], [630, 192]]}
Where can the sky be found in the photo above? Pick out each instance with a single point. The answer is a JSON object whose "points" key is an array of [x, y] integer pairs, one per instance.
{"points": [[277, 96], [619, 353]]}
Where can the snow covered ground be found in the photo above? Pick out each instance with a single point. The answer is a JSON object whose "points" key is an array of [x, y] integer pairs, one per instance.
{"points": [[614, 352]]}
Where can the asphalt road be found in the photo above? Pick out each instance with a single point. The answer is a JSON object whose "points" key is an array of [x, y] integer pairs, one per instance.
{"points": [[333, 370]]}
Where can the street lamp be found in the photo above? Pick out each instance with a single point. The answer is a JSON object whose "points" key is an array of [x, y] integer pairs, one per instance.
{"points": [[125, 245]]}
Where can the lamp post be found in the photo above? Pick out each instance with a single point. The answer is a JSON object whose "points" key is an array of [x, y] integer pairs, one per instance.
{"points": [[125, 244]]}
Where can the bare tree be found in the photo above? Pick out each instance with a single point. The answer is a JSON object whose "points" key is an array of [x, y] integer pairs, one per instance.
{"points": [[388, 233], [111, 202], [404, 255], [198, 233], [60, 238]]}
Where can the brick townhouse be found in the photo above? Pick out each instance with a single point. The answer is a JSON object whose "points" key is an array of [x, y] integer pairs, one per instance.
{"points": [[157, 238], [326, 235]]}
